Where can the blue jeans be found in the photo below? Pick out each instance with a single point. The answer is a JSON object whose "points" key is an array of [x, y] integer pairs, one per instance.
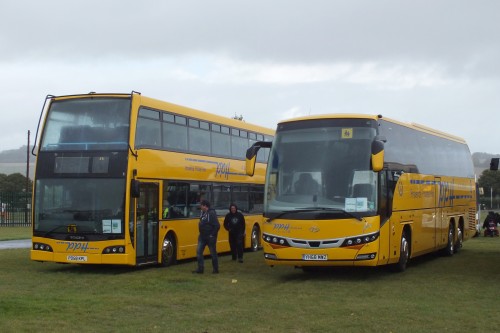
{"points": [[211, 243]]}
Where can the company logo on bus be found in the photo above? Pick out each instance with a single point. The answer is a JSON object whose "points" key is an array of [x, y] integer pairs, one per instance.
{"points": [[314, 229], [222, 170]]}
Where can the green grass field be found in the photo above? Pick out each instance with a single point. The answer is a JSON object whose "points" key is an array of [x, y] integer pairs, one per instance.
{"points": [[11, 233], [435, 294]]}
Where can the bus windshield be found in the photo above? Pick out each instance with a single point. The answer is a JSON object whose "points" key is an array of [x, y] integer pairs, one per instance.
{"points": [[87, 124], [73, 206], [322, 167]]}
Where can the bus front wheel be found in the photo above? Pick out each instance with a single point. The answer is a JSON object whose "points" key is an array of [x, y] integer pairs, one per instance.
{"points": [[168, 251]]}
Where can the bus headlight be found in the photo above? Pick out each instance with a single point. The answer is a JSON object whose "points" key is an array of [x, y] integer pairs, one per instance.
{"points": [[120, 249], [42, 247]]}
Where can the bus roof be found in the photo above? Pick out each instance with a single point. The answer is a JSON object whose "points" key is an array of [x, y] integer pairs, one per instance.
{"points": [[175, 108], [415, 126]]}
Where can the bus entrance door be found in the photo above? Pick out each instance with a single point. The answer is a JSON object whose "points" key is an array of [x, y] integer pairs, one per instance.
{"points": [[147, 224]]}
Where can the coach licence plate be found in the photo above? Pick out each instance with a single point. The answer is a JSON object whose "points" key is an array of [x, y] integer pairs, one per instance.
{"points": [[77, 258], [314, 257]]}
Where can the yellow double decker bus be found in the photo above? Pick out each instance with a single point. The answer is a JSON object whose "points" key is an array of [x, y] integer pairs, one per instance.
{"points": [[360, 190], [119, 179]]}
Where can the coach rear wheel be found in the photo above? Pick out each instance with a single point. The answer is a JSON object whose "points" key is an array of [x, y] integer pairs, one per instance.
{"points": [[460, 240], [168, 251], [255, 239], [450, 247]]}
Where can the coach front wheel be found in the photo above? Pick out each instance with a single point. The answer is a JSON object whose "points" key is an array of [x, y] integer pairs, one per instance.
{"points": [[255, 239], [404, 254]]}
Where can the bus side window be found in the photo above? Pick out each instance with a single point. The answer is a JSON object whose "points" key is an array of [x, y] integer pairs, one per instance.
{"points": [[197, 192], [174, 200]]}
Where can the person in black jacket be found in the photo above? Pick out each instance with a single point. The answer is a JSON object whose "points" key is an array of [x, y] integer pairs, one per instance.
{"points": [[209, 227], [234, 223], [490, 224]]}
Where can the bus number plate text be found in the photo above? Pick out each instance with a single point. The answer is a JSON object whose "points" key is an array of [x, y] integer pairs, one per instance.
{"points": [[77, 258], [314, 257]]}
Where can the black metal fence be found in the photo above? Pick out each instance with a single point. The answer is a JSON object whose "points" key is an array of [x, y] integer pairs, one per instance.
{"points": [[15, 209]]}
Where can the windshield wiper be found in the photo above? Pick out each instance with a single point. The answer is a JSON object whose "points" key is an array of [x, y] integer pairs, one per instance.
{"points": [[313, 209], [337, 210], [54, 229]]}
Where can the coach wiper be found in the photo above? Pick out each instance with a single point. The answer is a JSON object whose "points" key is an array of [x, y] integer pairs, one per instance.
{"points": [[313, 209], [329, 209]]}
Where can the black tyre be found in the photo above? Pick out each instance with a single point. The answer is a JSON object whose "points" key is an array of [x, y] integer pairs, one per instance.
{"points": [[168, 251], [460, 240], [404, 254], [255, 239], [450, 246]]}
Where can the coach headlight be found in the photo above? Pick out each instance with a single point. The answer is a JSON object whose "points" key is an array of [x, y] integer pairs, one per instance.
{"points": [[367, 256], [360, 240], [275, 240]]}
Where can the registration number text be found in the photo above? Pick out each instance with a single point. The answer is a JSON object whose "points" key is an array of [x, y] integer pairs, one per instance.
{"points": [[314, 257]]}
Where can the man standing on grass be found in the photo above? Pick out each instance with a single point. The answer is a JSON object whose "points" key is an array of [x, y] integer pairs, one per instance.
{"points": [[209, 227], [234, 223]]}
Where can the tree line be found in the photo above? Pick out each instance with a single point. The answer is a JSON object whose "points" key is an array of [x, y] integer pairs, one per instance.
{"points": [[14, 183]]}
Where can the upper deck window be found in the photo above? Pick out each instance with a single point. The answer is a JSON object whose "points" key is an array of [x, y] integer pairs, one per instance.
{"points": [[87, 124]]}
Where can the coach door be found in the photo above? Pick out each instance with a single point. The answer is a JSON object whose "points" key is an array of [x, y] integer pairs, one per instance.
{"points": [[147, 224]]}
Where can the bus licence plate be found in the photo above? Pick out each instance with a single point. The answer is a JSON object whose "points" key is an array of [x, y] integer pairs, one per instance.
{"points": [[314, 257], [77, 258]]}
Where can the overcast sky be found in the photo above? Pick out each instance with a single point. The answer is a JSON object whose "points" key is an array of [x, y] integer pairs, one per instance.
{"points": [[432, 62]]}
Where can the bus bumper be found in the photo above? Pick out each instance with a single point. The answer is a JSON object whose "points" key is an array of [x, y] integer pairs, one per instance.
{"points": [[82, 258]]}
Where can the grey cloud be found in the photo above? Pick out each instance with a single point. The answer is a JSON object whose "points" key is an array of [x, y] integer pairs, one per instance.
{"points": [[450, 31]]}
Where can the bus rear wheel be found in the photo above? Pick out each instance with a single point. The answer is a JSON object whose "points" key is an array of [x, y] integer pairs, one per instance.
{"points": [[255, 239], [168, 251]]}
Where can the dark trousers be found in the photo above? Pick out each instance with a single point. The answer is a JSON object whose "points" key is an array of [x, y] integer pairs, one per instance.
{"points": [[236, 244], [211, 243]]}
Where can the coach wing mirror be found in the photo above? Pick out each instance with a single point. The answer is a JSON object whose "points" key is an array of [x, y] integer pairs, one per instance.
{"points": [[378, 153], [251, 156], [135, 191], [494, 164]]}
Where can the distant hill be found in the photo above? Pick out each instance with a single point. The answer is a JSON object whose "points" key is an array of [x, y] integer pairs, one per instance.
{"points": [[482, 161], [15, 155], [14, 160]]}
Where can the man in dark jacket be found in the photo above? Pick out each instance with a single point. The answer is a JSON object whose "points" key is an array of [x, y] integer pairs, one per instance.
{"points": [[490, 224], [209, 227], [234, 223]]}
